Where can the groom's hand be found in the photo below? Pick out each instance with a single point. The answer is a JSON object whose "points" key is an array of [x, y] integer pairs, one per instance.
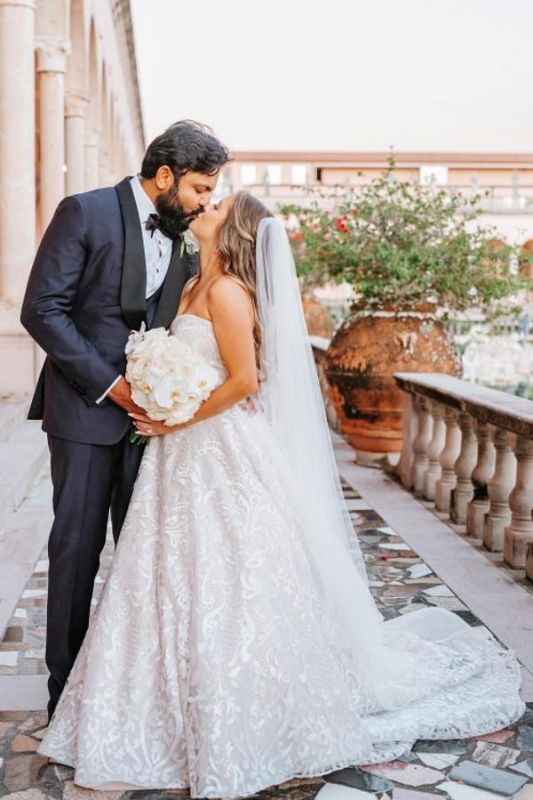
{"points": [[121, 395]]}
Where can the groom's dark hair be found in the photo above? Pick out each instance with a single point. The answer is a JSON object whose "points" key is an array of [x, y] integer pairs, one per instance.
{"points": [[186, 146]]}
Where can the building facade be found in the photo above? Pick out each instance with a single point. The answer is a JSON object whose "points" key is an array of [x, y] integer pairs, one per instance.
{"points": [[504, 179], [71, 120]]}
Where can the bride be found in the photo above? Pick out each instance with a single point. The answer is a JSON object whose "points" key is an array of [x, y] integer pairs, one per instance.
{"points": [[236, 644]]}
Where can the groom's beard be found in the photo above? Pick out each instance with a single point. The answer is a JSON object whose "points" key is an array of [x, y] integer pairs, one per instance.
{"points": [[173, 219]]}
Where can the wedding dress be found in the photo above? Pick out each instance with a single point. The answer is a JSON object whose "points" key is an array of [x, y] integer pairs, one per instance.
{"points": [[212, 660]]}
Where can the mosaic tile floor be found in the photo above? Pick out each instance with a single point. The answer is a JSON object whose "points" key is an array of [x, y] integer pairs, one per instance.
{"points": [[489, 767]]}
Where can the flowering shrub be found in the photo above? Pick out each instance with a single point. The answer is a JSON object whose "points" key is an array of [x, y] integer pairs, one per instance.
{"points": [[402, 245]]}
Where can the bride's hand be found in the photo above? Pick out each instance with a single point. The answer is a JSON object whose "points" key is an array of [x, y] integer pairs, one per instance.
{"points": [[153, 427]]}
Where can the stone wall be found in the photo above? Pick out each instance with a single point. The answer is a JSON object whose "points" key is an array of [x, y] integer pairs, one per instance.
{"points": [[71, 121]]}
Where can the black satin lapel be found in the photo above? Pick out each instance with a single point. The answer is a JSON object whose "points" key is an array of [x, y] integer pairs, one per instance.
{"points": [[172, 287], [133, 285]]}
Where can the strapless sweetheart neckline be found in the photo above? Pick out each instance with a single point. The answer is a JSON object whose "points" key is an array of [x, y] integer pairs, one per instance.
{"points": [[188, 314]]}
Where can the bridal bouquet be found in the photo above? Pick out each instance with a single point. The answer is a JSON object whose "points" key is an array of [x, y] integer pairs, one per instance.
{"points": [[168, 379]]}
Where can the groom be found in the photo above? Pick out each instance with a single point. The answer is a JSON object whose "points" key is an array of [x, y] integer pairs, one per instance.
{"points": [[110, 259]]}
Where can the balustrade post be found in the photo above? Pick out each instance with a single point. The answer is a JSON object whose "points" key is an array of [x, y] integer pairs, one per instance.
{"points": [[481, 475], [452, 446], [499, 489], [421, 443], [519, 533], [436, 445], [464, 465]]}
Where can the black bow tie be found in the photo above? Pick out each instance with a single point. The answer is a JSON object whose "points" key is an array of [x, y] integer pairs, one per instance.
{"points": [[152, 223]]}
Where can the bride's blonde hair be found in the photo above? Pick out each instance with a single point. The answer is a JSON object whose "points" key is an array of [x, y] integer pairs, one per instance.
{"points": [[236, 247]]}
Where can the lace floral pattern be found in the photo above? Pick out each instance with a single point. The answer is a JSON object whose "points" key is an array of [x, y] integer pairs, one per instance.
{"points": [[208, 663]]}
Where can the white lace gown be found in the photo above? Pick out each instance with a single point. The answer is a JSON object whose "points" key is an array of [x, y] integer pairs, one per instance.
{"points": [[208, 664]]}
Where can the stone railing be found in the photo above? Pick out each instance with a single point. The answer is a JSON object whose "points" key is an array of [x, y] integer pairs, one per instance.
{"points": [[469, 449]]}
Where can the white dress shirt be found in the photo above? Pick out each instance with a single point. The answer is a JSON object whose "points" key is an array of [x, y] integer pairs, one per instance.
{"points": [[157, 250], [157, 247]]}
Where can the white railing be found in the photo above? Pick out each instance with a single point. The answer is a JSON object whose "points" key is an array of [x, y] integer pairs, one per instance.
{"points": [[469, 449]]}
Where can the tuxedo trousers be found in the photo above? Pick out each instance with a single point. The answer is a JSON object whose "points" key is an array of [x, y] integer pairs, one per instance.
{"points": [[90, 482]]}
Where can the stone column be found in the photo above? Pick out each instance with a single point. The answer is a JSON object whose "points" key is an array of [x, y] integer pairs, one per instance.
{"points": [[75, 106], [499, 489], [464, 489], [519, 533], [104, 160], [17, 147], [91, 159], [117, 156], [452, 446], [421, 443], [481, 475], [51, 66], [434, 450], [17, 188]]}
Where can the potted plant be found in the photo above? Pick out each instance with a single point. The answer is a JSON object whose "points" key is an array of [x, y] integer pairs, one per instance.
{"points": [[412, 254]]}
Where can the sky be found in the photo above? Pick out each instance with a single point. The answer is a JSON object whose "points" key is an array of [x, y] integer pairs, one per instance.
{"points": [[415, 75]]}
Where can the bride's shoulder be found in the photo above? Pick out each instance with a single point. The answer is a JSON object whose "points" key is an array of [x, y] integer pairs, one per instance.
{"points": [[226, 287], [228, 292]]}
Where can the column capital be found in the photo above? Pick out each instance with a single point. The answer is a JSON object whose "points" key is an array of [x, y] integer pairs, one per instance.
{"points": [[75, 105], [52, 55]]}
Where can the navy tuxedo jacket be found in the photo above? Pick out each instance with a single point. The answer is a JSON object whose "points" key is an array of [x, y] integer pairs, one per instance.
{"points": [[85, 293]]}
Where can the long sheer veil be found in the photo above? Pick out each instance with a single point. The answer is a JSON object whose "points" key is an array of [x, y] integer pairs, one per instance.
{"points": [[399, 660], [290, 397]]}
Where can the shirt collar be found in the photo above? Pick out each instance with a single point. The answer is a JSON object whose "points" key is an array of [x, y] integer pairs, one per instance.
{"points": [[145, 207]]}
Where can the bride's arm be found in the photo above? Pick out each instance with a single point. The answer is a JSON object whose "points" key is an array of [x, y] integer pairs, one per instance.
{"points": [[231, 312]]}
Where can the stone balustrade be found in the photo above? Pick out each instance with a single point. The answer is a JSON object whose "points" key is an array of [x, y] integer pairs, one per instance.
{"points": [[469, 449]]}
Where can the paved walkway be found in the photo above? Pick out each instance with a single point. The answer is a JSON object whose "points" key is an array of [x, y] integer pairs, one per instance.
{"points": [[414, 560]]}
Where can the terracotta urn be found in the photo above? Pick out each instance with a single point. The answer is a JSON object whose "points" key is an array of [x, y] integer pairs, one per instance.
{"points": [[363, 356], [317, 317]]}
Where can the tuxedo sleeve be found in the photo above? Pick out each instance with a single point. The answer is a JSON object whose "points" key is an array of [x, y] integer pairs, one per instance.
{"points": [[49, 299]]}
